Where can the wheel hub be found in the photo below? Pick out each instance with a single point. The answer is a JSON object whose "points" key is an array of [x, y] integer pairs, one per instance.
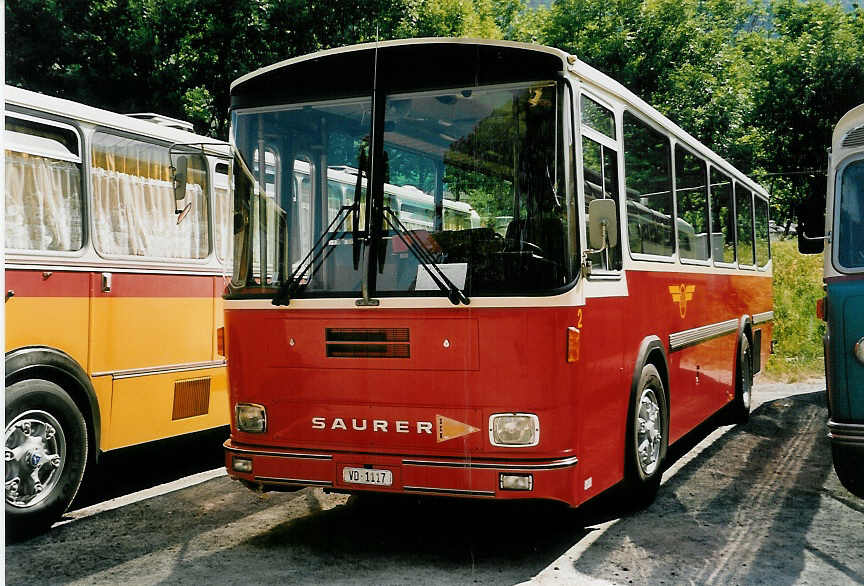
{"points": [[650, 431], [34, 454]]}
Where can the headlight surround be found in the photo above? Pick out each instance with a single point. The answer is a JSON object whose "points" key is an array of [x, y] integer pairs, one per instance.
{"points": [[858, 350], [250, 417], [514, 430]]}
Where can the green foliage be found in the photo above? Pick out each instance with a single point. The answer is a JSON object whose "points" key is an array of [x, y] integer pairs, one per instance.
{"points": [[762, 84], [797, 331]]}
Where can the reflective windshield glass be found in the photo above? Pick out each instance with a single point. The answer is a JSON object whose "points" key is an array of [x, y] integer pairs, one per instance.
{"points": [[290, 203], [475, 175], [470, 180], [849, 242]]}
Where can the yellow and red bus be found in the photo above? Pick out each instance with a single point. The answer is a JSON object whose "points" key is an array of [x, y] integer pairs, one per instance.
{"points": [[612, 293], [113, 300]]}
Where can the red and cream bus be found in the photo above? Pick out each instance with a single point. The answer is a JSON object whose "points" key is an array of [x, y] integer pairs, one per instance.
{"points": [[613, 292], [112, 299]]}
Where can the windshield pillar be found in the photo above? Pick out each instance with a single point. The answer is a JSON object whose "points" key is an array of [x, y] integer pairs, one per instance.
{"points": [[375, 198]]}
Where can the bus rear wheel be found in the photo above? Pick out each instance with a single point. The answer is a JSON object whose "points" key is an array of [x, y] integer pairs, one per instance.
{"points": [[849, 466], [647, 439], [739, 410], [45, 455]]}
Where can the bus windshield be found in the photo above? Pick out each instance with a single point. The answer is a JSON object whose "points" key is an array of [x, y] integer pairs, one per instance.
{"points": [[850, 232], [473, 181]]}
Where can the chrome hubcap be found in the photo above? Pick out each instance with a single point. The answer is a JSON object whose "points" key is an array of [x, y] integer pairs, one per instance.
{"points": [[649, 433], [35, 453]]}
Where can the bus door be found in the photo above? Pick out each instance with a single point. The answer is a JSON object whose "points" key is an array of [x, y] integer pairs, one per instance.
{"points": [[152, 328], [604, 385]]}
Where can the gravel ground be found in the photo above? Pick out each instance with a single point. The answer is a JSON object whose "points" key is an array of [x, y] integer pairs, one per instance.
{"points": [[751, 504]]}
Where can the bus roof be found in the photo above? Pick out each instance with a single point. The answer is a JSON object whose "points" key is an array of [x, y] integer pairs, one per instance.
{"points": [[400, 43], [13, 96]]}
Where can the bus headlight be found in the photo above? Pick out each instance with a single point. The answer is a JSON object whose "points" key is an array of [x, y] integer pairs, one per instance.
{"points": [[858, 351], [251, 418], [514, 429]]}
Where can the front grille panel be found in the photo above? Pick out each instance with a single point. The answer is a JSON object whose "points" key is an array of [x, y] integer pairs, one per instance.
{"points": [[191, 398], [855, 138], [367, 334], [367, 342]]}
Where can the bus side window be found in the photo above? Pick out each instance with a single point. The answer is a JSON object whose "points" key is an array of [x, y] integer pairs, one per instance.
{"points": [[744, 225], [600, 169], [763, 244], [43, 187], [722, 218], [691, 194], [647, 167], [133, 201]]}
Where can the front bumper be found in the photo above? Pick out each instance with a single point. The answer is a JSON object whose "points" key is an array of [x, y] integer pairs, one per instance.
{"points": [[554, 479], [846, 434]]}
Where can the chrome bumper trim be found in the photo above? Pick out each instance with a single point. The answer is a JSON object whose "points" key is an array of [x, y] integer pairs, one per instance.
{"points": [[296, 455], [292, 481], [150, 370], [451, 491], [759, 318], [552, 465], [691, 337], [846, 433]]}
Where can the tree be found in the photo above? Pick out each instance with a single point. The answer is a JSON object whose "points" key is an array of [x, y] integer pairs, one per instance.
{"points": [[811, 70]]}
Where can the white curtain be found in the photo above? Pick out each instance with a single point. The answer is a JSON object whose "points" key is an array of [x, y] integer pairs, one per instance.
{"points": [[43, 203], [222, 228], [135, 216]]}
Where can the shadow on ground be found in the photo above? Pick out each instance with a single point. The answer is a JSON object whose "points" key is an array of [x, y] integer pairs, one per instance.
{"points": [[739, 512]]}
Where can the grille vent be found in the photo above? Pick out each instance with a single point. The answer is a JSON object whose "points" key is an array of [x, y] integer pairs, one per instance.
{"points": [[368, 342], [191, 398], [854, 138]]}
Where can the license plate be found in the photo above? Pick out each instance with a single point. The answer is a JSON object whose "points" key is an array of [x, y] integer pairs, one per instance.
{"points": [[367, 476]]}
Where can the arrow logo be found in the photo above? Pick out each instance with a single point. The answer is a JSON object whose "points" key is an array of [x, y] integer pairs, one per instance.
{"points": [[450, 428]]}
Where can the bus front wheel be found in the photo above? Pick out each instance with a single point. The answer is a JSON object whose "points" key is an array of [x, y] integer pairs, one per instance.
{"points": [[45, 455], [647, 438], [849, 466]]}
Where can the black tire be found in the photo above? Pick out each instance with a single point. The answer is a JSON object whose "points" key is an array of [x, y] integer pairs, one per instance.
{"points": [[646, 444], [849, 466], [739, 409], [46, 451]]}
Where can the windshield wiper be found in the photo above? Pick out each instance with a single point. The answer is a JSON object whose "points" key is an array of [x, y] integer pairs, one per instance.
{"points": [[410, 240], [315, 258]]}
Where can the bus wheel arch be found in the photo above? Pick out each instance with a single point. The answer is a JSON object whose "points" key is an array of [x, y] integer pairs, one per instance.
{"points": [[649, 395], [56, 366]]}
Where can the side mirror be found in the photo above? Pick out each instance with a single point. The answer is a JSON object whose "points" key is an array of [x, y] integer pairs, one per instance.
{"points": [[602, 224], [811, 224], [180, 177]]}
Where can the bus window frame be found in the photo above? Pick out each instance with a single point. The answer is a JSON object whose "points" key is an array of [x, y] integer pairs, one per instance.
{"points": [[757, 195], [641, 256], [742, 266], [143, 259], [614, 144], [732, 181], [838, 172], [707, 164], [83, 160], [229, 212]]}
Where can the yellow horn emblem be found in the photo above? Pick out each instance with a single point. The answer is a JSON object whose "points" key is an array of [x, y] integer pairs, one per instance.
{"points": [[681, 294]]}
